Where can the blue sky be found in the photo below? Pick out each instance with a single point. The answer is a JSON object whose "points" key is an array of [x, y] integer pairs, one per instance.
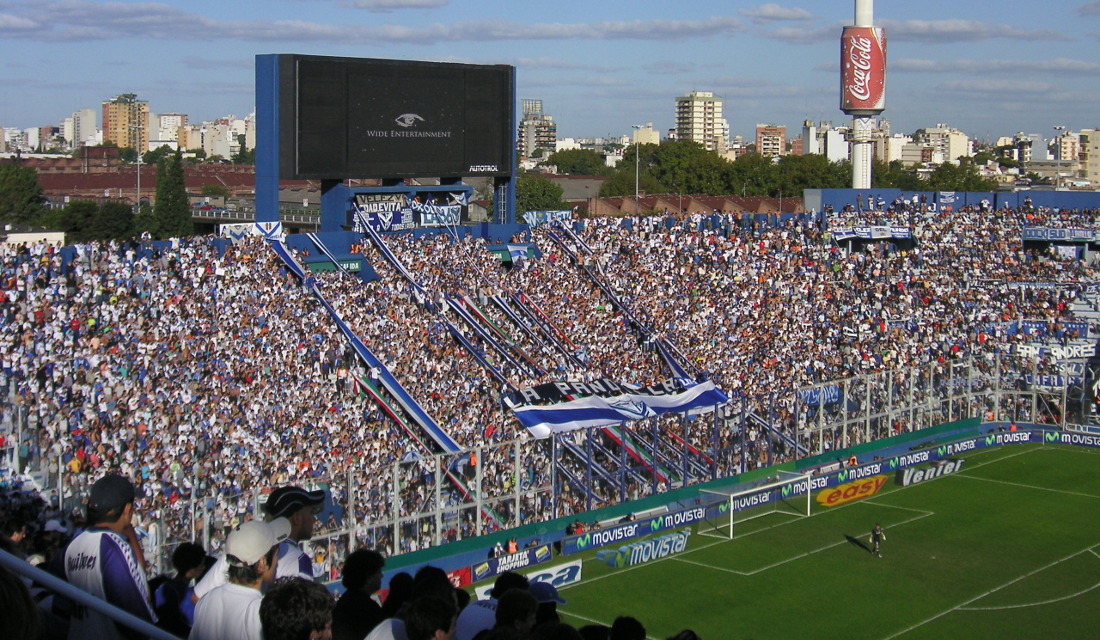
{"points": [[989, 69]]}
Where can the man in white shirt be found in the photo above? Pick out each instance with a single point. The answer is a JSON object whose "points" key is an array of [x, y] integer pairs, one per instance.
{"points": [[295, 507], [232, 610]]}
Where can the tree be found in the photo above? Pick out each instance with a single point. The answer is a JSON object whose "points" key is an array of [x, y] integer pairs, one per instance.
{"points": [[154, 156], [621, 183], [112, 220], [127, 155], [582, 162], [73, 219], [537, 193], [172, 212], [213, 189], [961, 177], [895, 175], [752, 175], [20, 193], [243, 155]]}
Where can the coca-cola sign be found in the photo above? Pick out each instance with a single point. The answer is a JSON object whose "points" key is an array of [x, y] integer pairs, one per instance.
{"points": [[862, 71]]}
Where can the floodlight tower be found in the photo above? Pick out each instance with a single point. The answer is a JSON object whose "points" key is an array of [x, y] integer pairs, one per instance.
{"points": [[862, 85]]}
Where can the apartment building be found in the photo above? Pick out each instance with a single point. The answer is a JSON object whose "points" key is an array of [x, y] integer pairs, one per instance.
{"points": [[126, 122], [699, 118]]}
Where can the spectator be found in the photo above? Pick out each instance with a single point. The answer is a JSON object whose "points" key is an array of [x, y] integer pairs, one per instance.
{"points": [[20, 617], [515, 613], [102, 562], [172, 599], [357, 613], [627, 628], [232, 610], [547, 596], [300, 508], [430, 618], [296, 609], [481, 614]]}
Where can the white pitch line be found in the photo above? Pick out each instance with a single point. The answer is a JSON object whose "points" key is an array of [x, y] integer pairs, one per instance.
{"points": [[990, 592], [680, 558], [1029, 486], [1027, 605]]}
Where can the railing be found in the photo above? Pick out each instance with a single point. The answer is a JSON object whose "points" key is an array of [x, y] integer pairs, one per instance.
{"points": [[411, 504], [82, 598]]}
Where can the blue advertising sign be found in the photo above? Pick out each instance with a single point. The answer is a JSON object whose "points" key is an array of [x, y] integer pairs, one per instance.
{"points": [[1069, 235], [511, 562], [630, 530]]}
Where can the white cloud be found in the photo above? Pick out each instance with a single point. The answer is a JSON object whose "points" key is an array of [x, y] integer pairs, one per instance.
{"points": [[979, 67], [806, 35], [557, 64], [82, 20], [1090, 8], [772, 12], [385, 6], [961, 31]]}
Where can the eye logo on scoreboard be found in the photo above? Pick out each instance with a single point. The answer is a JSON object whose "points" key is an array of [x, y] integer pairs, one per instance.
{"points": [[407, 119]]}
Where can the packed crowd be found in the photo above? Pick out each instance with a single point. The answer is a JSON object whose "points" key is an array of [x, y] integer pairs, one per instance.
{"points": [[204, 365], [260, 587]]}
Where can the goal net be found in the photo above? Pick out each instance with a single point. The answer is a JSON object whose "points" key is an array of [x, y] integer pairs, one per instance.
{"points": [[785, 493]]}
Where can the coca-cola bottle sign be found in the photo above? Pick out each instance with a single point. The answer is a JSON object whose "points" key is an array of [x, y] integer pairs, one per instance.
{"points": [[862, 71]]}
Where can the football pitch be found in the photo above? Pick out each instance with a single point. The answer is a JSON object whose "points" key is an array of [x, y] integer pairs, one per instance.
{"points": [[1007, 547]]}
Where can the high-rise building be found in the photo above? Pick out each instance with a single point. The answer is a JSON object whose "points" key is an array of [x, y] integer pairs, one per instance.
{"points": [[647, 135], [1088, 155], [169, 127], [771, 140], [810, 144], [126, 122], [699, 118], [948, 142], [536, 130], [1065, 145], [78, 130]]}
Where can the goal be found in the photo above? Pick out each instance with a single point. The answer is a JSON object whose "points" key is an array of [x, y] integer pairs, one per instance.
{"points": [[786, 493]]}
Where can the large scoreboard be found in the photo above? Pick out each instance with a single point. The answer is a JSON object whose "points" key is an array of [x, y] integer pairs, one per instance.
{"points": [[371, 118]]}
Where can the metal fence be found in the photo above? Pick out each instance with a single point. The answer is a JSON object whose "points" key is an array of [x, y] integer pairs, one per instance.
{"points": [[428, 501]]}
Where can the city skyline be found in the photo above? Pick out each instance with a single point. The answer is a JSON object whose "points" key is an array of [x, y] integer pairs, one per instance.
{"points": [[598, 69]]}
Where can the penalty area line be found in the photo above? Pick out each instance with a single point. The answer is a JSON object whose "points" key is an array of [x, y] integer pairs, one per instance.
{"points": [[962, 606]]}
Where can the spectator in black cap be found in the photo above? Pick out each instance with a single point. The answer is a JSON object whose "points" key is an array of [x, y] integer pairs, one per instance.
{"points": [[300, 507], [548, 598], [102, 561], [189, 561], [356, 612]]}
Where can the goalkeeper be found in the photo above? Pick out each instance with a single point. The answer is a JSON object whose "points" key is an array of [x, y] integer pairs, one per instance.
{"points": [[877, 536]]}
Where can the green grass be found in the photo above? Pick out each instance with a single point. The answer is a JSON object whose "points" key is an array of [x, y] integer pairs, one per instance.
{"points": [[1009, 547]]}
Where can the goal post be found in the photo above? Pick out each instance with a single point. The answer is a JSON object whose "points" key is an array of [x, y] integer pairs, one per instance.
{"points": [[786, 493]]}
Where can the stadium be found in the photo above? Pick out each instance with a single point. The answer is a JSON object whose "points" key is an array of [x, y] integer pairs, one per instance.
{"points": [[724, 404]]}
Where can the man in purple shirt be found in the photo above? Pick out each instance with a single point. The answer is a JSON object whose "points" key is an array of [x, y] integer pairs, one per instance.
{"points": [[101, 561]]}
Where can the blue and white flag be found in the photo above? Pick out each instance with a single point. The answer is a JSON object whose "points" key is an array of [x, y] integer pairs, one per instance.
{"points": [[558, 407]]}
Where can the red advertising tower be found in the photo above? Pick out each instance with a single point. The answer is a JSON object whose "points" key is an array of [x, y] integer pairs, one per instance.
{"points": [[862, 85]]}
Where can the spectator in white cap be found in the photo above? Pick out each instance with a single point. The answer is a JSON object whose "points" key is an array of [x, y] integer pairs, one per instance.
{"points": [[219, 572], [300, 508], [232, 610]]}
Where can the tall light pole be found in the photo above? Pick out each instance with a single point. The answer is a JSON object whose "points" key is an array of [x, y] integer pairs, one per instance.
{"points": [[137, 147], [637, 164]]}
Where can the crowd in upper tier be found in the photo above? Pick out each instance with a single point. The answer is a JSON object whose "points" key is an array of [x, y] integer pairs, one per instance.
{"points": [[208, 373]]}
